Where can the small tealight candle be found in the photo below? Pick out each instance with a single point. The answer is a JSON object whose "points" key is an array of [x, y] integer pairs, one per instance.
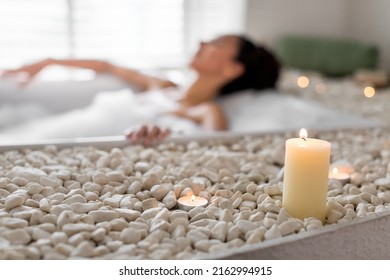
{"points": [[187, 203], [343, 177], [343, 166]]}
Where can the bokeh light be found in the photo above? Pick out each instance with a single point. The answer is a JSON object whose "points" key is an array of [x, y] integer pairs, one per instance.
{"points": [[320, 88], [369, 92], [303, 82]]}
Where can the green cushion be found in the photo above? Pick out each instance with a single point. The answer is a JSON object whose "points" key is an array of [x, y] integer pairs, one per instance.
{"points": [[333, 57]]}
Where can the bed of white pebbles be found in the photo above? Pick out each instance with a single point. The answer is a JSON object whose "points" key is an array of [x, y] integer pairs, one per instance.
{"points": [[341, 93], [85, 202]]}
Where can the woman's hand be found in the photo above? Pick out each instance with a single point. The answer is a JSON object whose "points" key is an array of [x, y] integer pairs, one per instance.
{"points": [[26, 73], [146, 135]]}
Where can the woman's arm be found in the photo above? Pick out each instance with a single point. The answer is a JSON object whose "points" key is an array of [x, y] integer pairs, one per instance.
{"points": [[133, 77], [138, 79], [209, 115]]}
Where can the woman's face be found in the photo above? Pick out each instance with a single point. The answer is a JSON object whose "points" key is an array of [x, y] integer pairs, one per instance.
{"points": [[214, 56]]}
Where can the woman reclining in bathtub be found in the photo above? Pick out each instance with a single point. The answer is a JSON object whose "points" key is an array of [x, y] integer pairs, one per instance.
{"points": [[224, 65]]}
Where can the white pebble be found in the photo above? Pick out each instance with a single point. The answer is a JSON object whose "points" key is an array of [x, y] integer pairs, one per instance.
{"points": [[176, 214], [224, 193], [283, 216], [187, 192], [160, 191], [204, 245], [376, 200], [128, 214], [364, 197], [149, 203], [350, 214], [219, 231], [210, 175], [34, 188], [58, 209], [225, 204], [195, 236], [67, 217], [118, 224], [58, 237], [115, 176], [334, 205], [44, 205], [384, 182], [384, 196], [179, 231], [38, 233], [81, 208], [369, 189], [248, 204], [142, 166], [289, 227], [14, 201], [170, 200], [46, 181], [134, 187], [113, 201], [272, 233], [257, 217], [150, 213], [178, 222], [198, 217], [313, 225], [17, 236], [272, 190], [198, 187], [130, 236], [333, 216], [159, 225], [13, 223], [75, 198], [99, 178], [226, 215], [150, 180], [269, 207], [357, 178], [237, 202], [84, 249], [103, 215], [246, 226], [381, 209]]}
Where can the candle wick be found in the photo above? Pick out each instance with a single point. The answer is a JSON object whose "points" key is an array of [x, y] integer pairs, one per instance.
{"points": [[304, 138]]}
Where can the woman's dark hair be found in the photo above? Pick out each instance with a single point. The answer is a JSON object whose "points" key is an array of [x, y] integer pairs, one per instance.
{"points": [[261, 68]]}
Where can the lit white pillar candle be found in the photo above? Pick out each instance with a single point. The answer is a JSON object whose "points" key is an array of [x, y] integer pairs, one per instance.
{"points": [[306, 176]]}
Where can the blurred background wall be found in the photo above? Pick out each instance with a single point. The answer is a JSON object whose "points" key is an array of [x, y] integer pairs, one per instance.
{"points": [[365, 21]]}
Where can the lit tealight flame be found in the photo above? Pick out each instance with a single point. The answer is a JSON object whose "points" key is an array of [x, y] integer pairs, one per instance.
{"points": [[303, 134], [335, 170], [369, 92], [193, 198], [303, 82]]}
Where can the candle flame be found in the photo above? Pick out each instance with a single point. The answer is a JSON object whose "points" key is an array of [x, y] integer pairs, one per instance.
{"points": [[303, 134], [193, 198], [335, 170]]}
